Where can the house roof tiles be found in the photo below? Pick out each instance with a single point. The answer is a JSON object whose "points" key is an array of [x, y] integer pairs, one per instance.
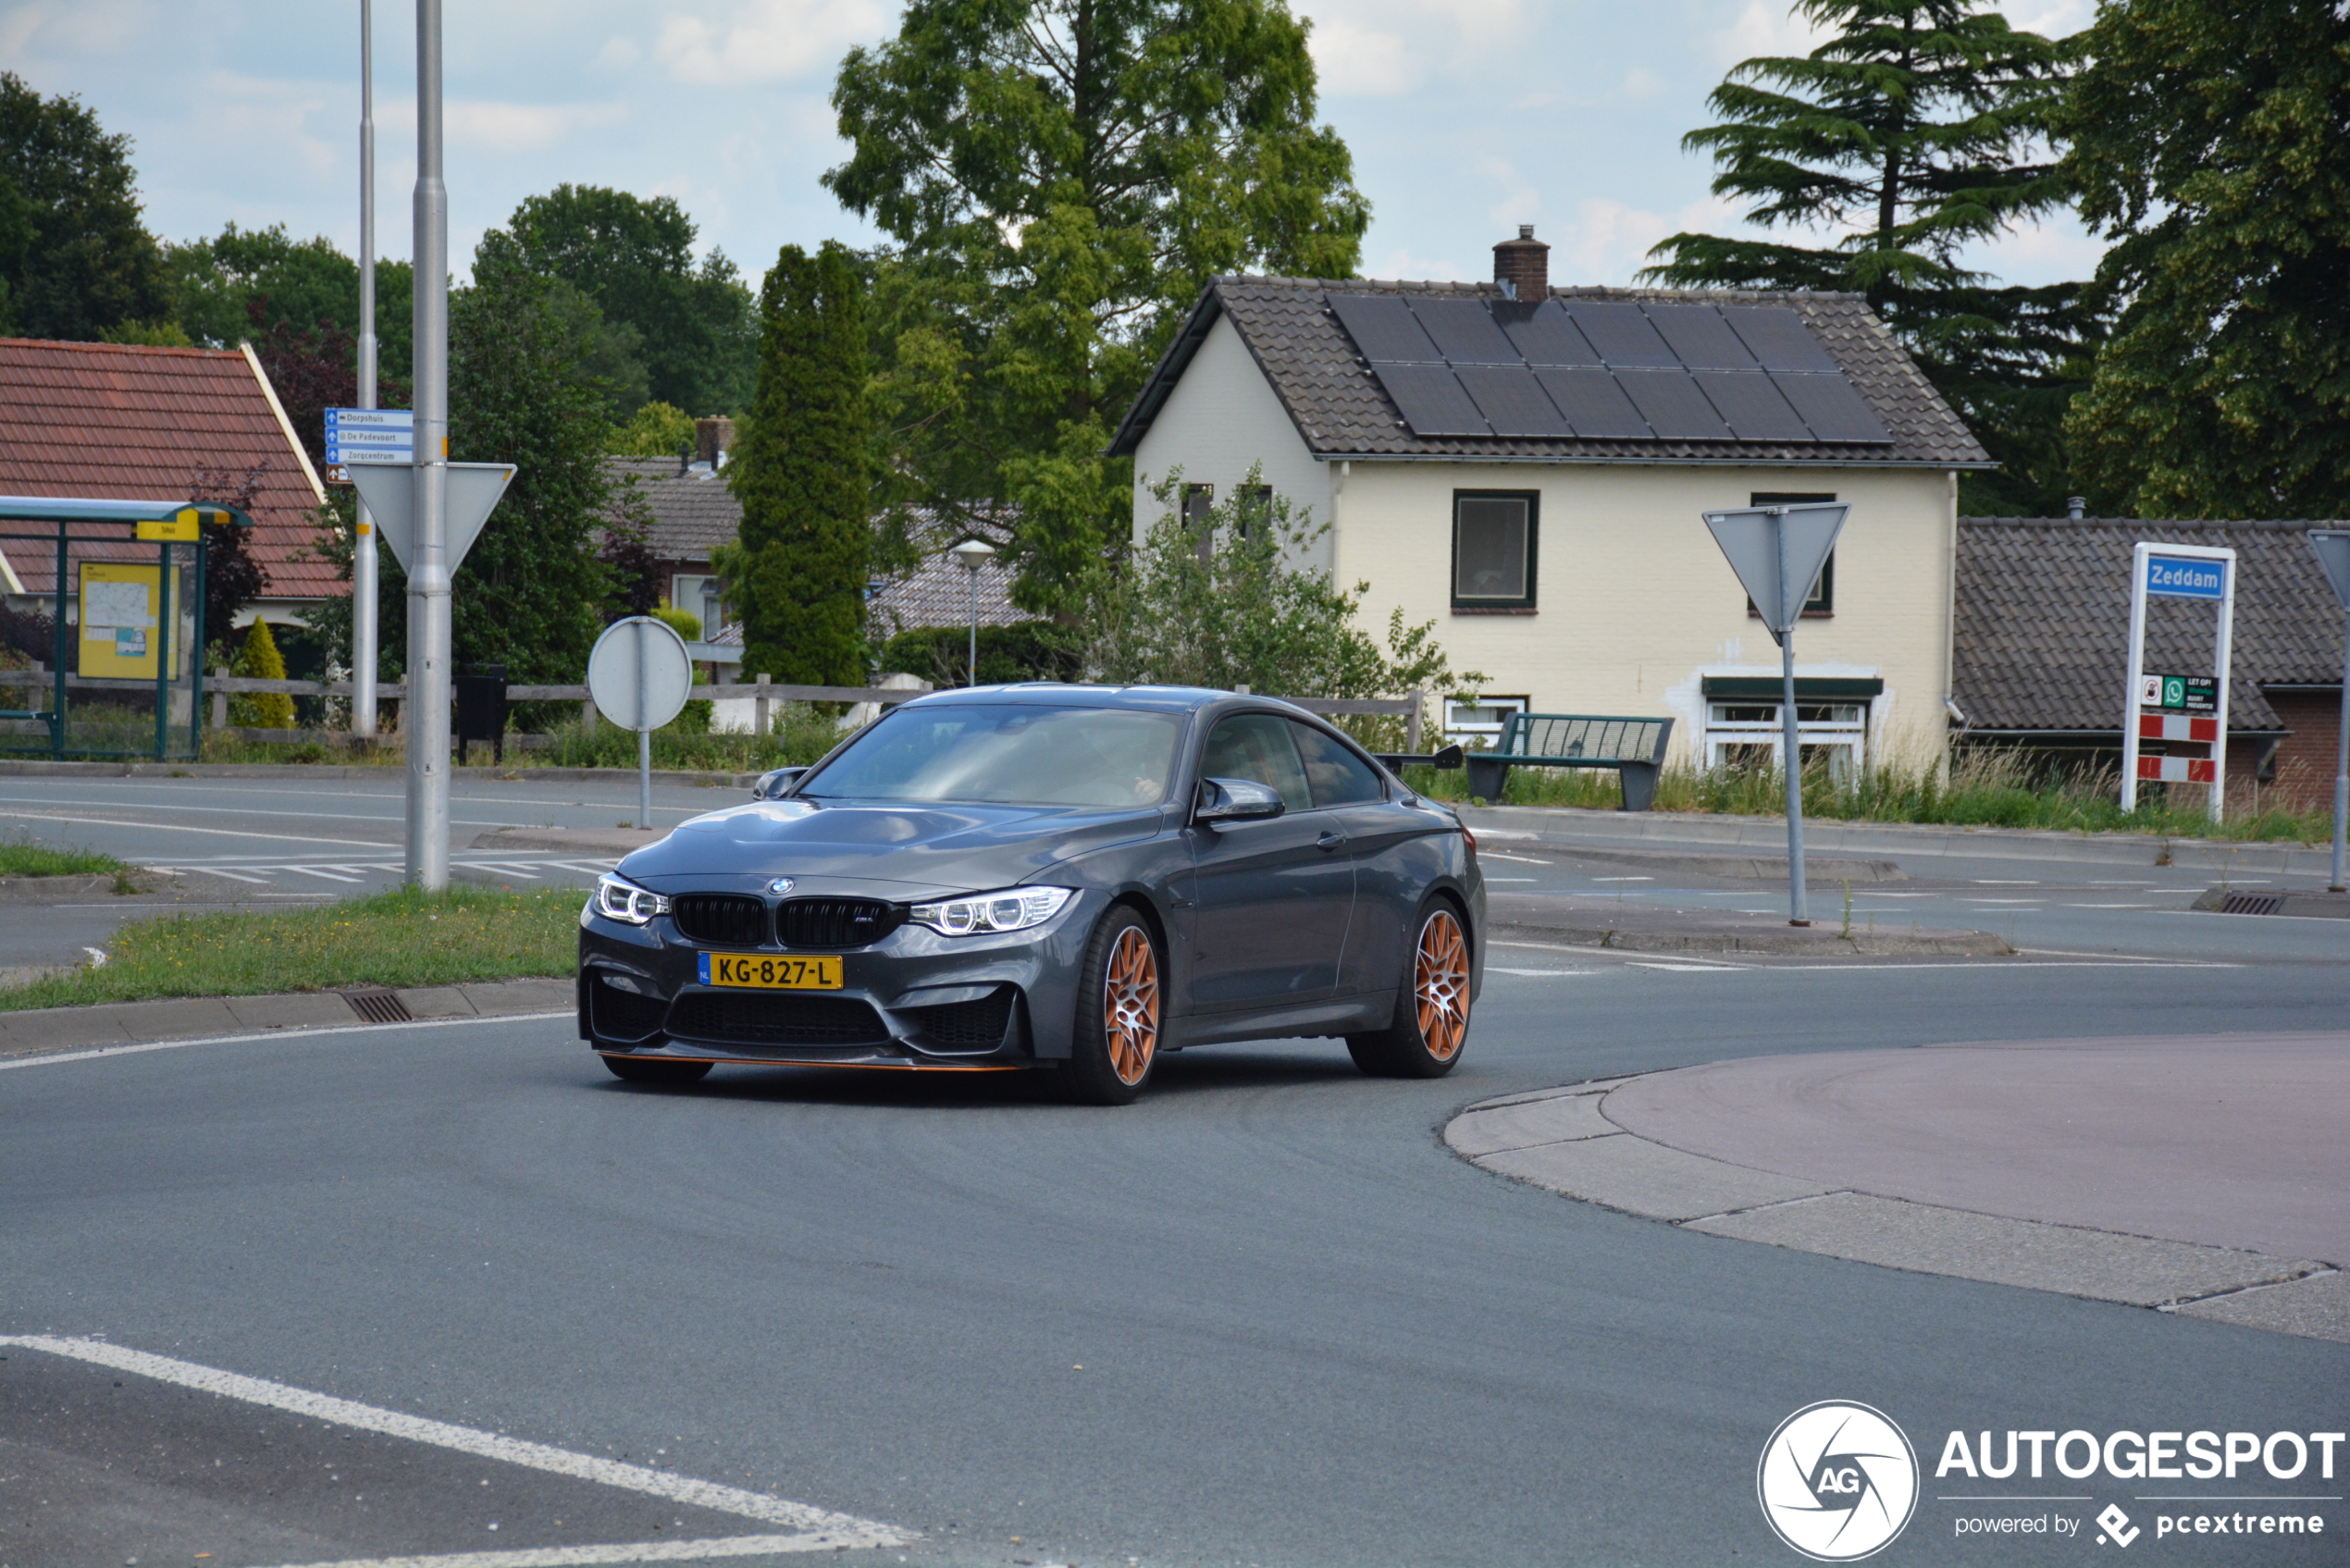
{"points": [[1340, 410], [105, 421], [2041, 639]]}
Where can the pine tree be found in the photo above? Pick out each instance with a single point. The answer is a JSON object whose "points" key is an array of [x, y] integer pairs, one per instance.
{"points": [[804, 475], [260, 661], [1918, 128], [2208, 141]]}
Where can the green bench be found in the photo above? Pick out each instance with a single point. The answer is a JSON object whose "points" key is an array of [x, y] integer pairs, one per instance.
{"points": [[1634, 747]]}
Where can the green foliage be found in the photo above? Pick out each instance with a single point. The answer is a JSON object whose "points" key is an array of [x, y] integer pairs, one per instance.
{"points": [[692, 324], [1029, 650], [301, 283], [260, 661], [1230, 610], [657, 429], [801, 734], [402, 938], [75, 258], [152, 334], [530, 593], [1060, 179], [1918, 128], [20, 856], [2209, 142], [797, 574], [685, 622]]}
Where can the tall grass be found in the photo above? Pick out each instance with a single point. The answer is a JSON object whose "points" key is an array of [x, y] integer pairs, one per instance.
{"points": [[801, 734], [1982, 787]]}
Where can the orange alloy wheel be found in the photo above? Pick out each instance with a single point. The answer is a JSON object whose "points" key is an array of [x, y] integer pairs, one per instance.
{"points": [[1439, 984], [1130, 1006]]}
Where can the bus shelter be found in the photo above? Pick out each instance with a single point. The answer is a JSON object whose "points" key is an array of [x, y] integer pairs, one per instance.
{"points": [[126, 604]]}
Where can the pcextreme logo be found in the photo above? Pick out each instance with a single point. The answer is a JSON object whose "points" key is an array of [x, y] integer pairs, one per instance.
{"points": [[1838, 1481]]}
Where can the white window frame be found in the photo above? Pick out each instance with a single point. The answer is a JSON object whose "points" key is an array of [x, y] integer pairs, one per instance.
{"points": [[1470, 731], [1844, 734]]}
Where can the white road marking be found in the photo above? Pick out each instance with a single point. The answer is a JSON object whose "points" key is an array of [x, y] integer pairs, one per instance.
{"points": [[329, 876], [1685, 969], [833, 1529], [352, 1028], [2006, 881], [1622, 879], [1496, 969], [1512, 878], [567, 1556], [182, 827], [1527, 859]]}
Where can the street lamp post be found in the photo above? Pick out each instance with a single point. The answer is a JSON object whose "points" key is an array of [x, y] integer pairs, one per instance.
{"points": [[362, 553], [426, 715], [972, 554]]}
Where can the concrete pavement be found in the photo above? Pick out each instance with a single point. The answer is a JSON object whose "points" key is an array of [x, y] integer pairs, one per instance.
{"points": [[38, 1030]]}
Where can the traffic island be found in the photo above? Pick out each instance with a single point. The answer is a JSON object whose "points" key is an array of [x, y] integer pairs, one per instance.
{"points": [[2194, 1175], [1585, 920]]}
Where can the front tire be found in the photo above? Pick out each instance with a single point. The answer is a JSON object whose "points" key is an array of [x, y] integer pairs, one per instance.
{"points": [[1432, 1013], [657, 1070], [1120, 1008]]}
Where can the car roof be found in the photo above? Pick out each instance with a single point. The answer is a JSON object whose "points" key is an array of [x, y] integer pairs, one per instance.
{"points": [[1059, 693]]}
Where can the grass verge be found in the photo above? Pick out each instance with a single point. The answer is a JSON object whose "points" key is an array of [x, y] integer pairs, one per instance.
{"points": [[22, 857], [402, 938]]}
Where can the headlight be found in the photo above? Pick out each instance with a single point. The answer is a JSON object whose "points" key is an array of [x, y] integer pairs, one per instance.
{"points": [[620, 899], [1012, 909]]}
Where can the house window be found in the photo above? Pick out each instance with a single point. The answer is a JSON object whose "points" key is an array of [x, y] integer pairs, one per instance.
{"points": [[1199, 501], [1819, 603], [1471, 720], [1255, 508], [1494, 548], [698, 596], [1743, 728]]}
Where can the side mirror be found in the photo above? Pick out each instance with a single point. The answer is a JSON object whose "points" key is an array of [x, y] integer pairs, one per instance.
{"points": [[1236, 800], [775, 785]]}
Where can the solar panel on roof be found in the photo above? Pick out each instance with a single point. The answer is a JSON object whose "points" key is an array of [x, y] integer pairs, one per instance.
{"points": [[1670, 402], [1383, 329], [1593, 403], [1464, 330], [1701, 337], [1621, 333], [1752, 406], [1545, 335], [1431, 401], [1832, 408], [1512, 400], [1779, 336]]}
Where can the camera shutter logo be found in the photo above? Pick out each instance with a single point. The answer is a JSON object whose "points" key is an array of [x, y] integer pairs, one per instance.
{"points": [[1838, 1481]]}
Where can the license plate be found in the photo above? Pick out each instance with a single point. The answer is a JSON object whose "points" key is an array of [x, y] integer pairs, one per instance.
{"points": [[767, 971]]}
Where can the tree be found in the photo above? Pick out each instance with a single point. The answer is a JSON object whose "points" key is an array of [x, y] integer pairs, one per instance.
{"points": [[635, 259], [1213, 601], [796, 576], [530, 593], [300, 284], [2209, 142], [657, 429], [1918, 128], [1061, 177], [84, 262], [260, 661], [232, 579]]}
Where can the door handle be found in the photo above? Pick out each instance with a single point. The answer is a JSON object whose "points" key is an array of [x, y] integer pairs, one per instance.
{"points": [[1329, 840]]}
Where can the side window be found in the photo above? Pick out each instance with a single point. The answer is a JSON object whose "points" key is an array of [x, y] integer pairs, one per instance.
{"points": [[1493, 550], [1258, 746], [1819, 603], [1337, 775]]}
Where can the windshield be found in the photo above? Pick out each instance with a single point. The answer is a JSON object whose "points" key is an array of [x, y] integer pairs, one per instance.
{"points": [[1008, 754]]}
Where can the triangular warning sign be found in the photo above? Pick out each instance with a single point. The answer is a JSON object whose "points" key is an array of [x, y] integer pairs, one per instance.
{"points": [[1750, 540], [390, 491]]}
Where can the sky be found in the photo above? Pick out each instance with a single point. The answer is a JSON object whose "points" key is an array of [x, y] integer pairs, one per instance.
{"points": [[1466, 117]]}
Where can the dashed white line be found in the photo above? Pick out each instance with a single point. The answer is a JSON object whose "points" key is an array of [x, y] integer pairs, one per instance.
{"points": [[823, 1528], [567, 1556]]}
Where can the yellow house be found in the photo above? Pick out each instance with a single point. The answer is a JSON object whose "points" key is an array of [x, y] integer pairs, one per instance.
{"points": [[1526, 466]]}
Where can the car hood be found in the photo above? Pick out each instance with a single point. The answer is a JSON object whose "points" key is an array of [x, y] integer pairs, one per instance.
{"points": [[925, 849]]}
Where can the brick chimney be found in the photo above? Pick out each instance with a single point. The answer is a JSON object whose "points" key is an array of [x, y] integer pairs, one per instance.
{"points": [[1522, 266], [713, 439]]}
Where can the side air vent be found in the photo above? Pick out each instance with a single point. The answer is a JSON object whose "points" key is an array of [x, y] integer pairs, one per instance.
{"points": [[836, 922], [721, 920], [620, 1016], [966, 1026]]}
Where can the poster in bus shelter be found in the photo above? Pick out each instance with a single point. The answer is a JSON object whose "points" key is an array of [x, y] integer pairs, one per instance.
{"points": [[119, 630]]}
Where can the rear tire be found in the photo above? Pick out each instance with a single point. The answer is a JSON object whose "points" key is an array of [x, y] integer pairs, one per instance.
{"points": [[657, 1070], [1432, 1008], [1119, 1011]]}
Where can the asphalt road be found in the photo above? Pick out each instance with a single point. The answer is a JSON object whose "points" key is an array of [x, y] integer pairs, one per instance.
{"points": [[1262, 1318]]}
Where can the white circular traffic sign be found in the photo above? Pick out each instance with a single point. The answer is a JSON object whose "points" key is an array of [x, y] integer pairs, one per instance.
{"points": [[639, 674]]}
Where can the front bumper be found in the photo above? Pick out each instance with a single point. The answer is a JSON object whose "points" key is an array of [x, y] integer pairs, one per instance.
{"points": [[915, 999]]}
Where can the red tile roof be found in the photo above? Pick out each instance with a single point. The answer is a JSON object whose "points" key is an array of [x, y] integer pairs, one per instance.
{"points": [[102, 421]]}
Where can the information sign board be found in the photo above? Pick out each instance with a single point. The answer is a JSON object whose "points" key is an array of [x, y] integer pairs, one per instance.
{"points": [[118, 620], [370, 436], [2175, 571], [2180, 694], [2178, 576]]}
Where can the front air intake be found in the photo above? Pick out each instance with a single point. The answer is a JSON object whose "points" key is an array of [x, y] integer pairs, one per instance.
{"points": [[721, 920], [836, 922], [780, 1019]]}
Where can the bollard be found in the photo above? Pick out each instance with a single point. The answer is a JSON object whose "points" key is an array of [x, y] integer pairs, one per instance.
{"points": [[759, 708]]}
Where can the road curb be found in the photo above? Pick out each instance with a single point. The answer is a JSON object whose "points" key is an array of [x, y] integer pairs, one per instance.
{"points": [[1563, 825], [1562, 1141], [24, 768], [37, 1031], [1817, 943]]}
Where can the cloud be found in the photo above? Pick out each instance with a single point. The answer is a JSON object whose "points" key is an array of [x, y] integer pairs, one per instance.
{"points": [[1607, 240], [87, 26], [1385, 48], [1765, 28], [487, 125], [763, 41], [1354, 62]]}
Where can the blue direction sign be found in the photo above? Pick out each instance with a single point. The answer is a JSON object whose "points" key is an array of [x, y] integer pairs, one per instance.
{"points": [[2178, 576], [370, 435]]}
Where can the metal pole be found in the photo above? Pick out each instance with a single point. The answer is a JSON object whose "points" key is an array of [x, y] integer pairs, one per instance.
{"points": [[1798, 912], [644, 736], [2342, 768], [362, 556], [974, 578], [2131, 676], [427, 698], [2224, 657]]}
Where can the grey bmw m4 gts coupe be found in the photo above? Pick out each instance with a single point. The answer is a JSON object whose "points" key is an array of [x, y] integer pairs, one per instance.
{"points": [[1070, 879]]}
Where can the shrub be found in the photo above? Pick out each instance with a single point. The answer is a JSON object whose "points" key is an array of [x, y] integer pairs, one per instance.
{"points": [[259, 660]]}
